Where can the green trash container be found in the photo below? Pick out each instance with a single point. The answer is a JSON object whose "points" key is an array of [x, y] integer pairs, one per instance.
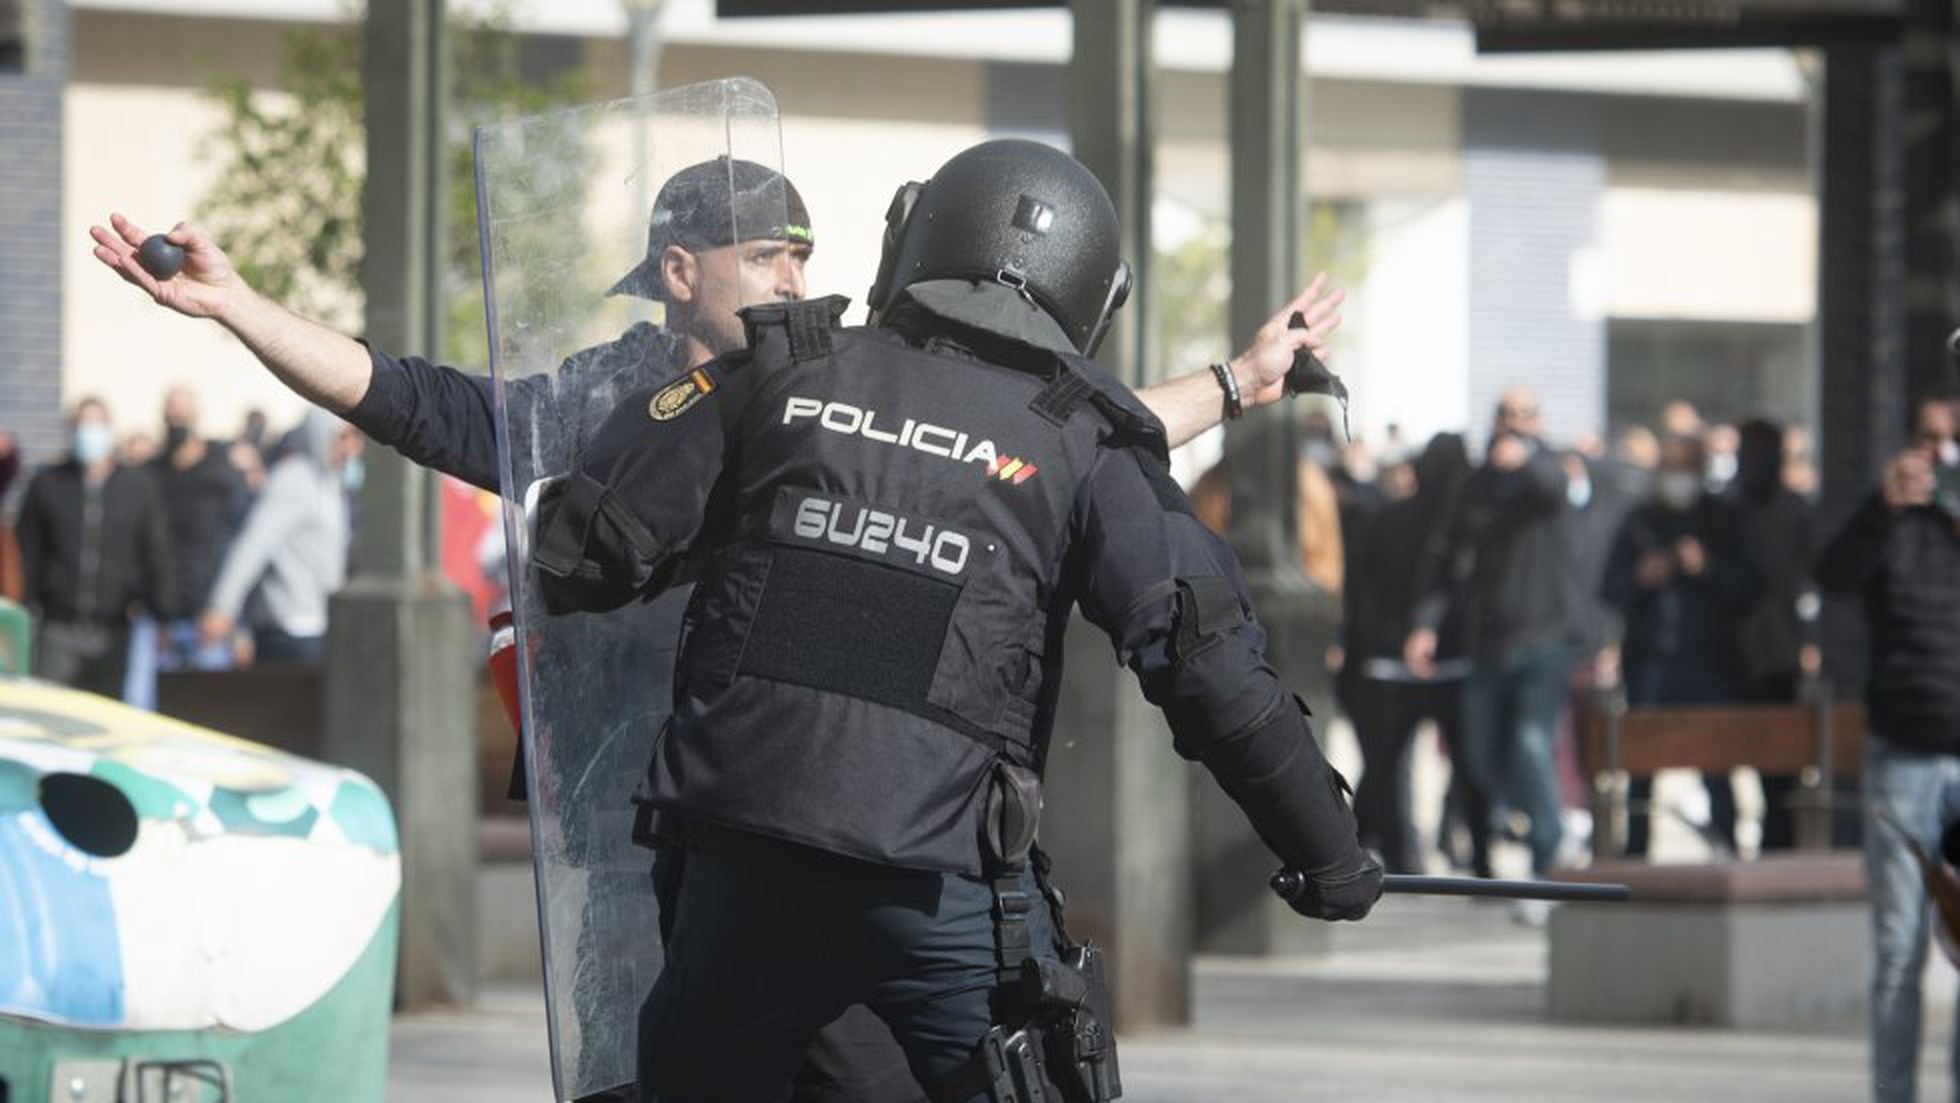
{"points": [[193, 917]]}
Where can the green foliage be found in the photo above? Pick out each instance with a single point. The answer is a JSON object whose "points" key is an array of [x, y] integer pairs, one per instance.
{"points": [[287, 202], [490, 84], [1193, 298], [1194, 281]]}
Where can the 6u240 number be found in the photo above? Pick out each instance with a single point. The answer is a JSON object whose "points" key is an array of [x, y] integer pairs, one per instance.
{"points": [[882, 533]]}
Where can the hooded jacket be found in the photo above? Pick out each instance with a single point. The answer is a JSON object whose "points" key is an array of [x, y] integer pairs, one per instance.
{"points": [[294, 542]]}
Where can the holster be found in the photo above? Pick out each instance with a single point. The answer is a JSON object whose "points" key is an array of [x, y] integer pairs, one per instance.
{"points": [[1056, 1045]]}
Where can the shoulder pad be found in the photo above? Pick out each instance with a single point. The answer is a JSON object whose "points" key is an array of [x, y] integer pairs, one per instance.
{"points": [[807, 324], [1081, 380]]}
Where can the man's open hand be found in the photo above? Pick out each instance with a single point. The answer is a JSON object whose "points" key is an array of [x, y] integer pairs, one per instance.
{"points": [[1261, 369], [204, 289]]}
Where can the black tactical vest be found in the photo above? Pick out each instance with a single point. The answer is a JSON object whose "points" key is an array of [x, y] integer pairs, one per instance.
{"points": [[880, 604]]}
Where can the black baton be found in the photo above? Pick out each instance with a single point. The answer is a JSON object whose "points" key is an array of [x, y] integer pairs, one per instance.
{"points": [[1290, 883]]}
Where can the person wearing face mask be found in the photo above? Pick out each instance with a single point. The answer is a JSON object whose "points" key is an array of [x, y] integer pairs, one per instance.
{"points": [[94, 551], [1682, 578], [1899, 554], [293, 545], [204, 499]]}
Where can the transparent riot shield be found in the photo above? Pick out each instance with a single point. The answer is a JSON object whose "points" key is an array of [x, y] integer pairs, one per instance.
{"points": [[576, 211]]}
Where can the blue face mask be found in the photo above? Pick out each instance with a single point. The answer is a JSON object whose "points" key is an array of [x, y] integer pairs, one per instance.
{"points": [[93, 443], [352, 474]]}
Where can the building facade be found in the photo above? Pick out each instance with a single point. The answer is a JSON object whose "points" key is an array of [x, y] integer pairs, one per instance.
{"points": [[1615, 230]]}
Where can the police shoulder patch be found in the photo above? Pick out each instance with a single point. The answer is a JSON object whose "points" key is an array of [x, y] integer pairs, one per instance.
{"points": [[676, 398]]}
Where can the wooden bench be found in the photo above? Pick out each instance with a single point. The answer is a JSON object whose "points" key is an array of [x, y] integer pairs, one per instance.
{"points": [[1779, 942], [1816, 742]]}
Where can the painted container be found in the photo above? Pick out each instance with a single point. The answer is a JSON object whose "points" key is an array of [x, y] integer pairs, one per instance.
{"points": [[185, 916]]}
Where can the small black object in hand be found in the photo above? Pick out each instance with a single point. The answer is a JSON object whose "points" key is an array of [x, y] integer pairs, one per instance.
{"points": [[1309, 376], [160, 256]]}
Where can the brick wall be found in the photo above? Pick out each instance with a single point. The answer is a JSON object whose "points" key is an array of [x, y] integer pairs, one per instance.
{"points": [[31, 250]]}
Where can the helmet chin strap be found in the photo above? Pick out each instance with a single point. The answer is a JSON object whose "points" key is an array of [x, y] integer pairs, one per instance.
{"points": [[1119, 293], [897, 216]]}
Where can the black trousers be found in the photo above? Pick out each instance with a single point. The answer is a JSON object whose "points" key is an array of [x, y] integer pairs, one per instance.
{"points": [[1386, 716], [94, 657], [796, 974]]}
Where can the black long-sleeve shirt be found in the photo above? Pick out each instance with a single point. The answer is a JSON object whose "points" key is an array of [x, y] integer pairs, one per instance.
{"points": [[443, 418], [1905, 567]]}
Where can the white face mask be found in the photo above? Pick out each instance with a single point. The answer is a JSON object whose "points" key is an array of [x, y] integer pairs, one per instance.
{"points": [[93, 443], [1677, 490], [1950, 452]]}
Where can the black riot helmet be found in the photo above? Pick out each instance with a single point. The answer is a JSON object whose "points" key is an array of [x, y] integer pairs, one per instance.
{"points": [[1015, 214]]}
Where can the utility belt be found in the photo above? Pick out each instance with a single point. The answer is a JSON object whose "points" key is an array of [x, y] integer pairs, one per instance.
{"points": [[1053, 1041]]}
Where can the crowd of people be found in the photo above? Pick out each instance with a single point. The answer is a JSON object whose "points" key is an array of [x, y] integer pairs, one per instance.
{"points": [[1494, 594], [1487, 595], [139, 552]]}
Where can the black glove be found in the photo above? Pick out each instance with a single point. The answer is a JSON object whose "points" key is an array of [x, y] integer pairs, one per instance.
{"points": [[1344, 893]]}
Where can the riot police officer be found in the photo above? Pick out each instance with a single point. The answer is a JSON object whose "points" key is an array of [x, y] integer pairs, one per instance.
{"points": [[890, 526]]}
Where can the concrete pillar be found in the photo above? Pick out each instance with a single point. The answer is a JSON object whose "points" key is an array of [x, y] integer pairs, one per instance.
{"points": [[1118, 808], [1235, 911], [1112, 128], [1931, 53], [1861, 318], [400, 678]]}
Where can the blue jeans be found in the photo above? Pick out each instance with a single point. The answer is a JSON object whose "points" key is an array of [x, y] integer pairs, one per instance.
{"points": [[1918, 793], [1510, 727], [772, 941]]}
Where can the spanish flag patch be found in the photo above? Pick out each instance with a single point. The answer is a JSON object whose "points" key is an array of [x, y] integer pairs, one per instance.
{"points": [[675, 398]]}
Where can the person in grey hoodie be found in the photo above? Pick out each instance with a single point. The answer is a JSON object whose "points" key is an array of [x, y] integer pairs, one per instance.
{"points": [[293, 545]]}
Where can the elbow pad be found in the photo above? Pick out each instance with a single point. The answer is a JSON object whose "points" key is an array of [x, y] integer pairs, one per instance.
{"points": [[1227, 709], [1294, 799]]}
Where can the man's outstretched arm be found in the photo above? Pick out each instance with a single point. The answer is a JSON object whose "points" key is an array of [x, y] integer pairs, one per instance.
{"points": [[431, 413], [326, 368], [1192, 403]]}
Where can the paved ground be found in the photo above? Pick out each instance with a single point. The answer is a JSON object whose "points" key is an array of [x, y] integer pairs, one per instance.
{"points": [[1427, 1000], [1430, 1000]]}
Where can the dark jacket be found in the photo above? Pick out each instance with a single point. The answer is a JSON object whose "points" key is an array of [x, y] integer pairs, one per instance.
{"points": [[202, 505], [1387, 559], [1617, 489], [90, 554], [1694, 620], [1505, 564], [1780, 527], [1905, 567]]}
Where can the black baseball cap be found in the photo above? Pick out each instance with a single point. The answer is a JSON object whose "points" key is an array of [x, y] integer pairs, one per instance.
{"points": [[712, 205]]}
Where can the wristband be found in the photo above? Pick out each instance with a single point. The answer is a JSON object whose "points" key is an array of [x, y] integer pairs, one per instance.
{"points": [[1229, 383]]}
